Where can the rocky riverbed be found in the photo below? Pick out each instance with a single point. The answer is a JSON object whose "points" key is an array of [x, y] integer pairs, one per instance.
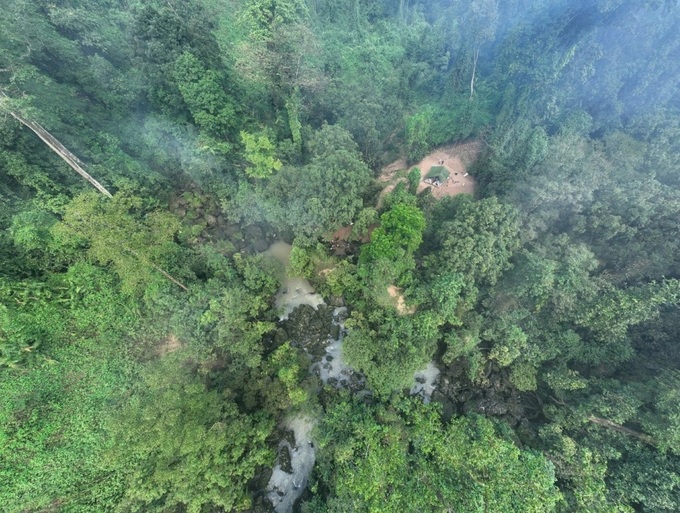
{"points": [[318, 329]]}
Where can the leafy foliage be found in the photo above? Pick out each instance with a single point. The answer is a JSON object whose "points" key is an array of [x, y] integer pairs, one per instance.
{"points": [[112, 234], [179, 444], [259, 151], [324, 194], [548, 302], [417, 464]]}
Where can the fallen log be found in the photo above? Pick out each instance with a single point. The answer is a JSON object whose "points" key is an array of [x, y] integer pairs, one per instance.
{"points": [[78, 167], [60, 150], [622, 429]]}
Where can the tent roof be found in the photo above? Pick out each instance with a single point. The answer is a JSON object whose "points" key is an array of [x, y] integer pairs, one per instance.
{"points": [[438, 172]]}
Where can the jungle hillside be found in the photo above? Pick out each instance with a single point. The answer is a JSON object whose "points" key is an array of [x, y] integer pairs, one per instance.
{"points": [[333, 256]]}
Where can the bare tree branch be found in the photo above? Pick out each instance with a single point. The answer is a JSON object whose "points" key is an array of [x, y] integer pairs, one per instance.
{"points": [[622, 429], [474, 71], [78, 167], [60, 150]]}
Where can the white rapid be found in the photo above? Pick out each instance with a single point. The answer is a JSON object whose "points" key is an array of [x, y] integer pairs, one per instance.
{"points": [[424, 382], [285, 488], [294, 291], [332, 369]]}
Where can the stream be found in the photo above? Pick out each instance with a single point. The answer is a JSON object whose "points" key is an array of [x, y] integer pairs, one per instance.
{"points": [[294, 291], [298, 302]]}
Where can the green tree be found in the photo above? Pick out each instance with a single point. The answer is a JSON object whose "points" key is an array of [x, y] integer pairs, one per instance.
{"points": [[111, 232], [377, 458], [213, 111], [662, 419], [364, 221], [54, 409], [260, 152], [240, 314], [389, 258], [418, 135], [479, 242], [390, 348], [170, 39], [180, 445], [324, 194], [39, 315], [401, 230]]}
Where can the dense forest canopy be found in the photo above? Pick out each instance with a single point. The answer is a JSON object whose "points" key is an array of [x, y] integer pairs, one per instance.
{"points": [[264, 306]]}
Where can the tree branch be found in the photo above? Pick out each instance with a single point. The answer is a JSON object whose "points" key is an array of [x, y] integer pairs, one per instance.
{"points": [[622, 429], [159, 269], [78, 166]]}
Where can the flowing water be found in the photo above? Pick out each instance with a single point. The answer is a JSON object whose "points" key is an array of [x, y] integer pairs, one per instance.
{"points": [[425, 382], [284, 488], [294, 291]]}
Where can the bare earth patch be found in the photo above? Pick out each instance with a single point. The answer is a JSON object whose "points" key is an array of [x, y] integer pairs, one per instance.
{"points": [[390, 170], [343, 235], [325, 272], [397, 294], [387, 190], [456, 158], [169, 345]]}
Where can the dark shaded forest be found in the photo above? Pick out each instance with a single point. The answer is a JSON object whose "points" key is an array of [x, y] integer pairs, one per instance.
{"points": [[242, 317]]}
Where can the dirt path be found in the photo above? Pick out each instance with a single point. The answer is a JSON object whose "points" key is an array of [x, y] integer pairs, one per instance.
{"points": [[456, 158], [397, 294], [388, 173]]}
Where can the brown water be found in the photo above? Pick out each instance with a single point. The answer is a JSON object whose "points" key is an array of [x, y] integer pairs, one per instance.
{"points": [[294, 291]]}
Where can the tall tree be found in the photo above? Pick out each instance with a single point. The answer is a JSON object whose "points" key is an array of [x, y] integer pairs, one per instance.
{"points": [[376, 458]]}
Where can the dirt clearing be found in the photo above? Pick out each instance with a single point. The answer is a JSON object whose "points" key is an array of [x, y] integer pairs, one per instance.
{"points": [[455, 158], [169, 345]]}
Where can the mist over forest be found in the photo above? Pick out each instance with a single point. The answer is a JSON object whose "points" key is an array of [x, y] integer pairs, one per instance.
{"points": [[330, 256]]}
